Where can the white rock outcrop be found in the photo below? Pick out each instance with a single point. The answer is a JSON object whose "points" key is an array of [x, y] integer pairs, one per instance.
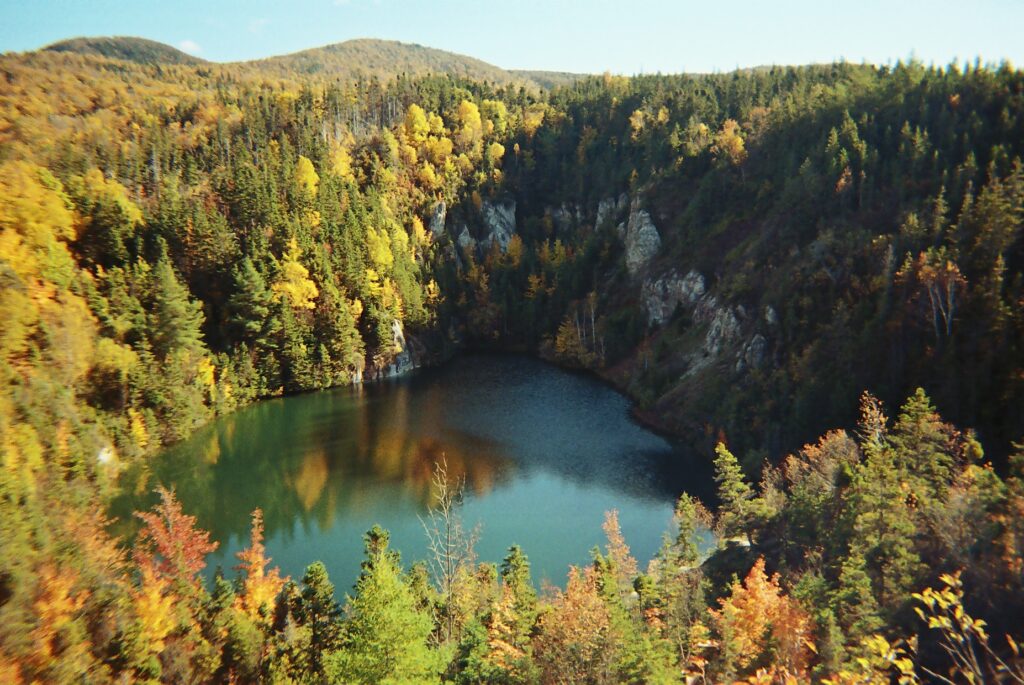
{"points": [[610, 209], [465, 239], [752, 354], [404, 361], [724, 329], [499, 223], [437, 218], [661, 296], [642, 239]]}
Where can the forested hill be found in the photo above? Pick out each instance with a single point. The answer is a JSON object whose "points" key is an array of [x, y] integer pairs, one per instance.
{"points": [[130, 49], [755, 257], [365, 57], [743, 253], [386, 59]]}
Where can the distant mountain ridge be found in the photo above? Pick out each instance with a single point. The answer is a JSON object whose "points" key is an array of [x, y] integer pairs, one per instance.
{"points": [[127, 48], [369, 57]]}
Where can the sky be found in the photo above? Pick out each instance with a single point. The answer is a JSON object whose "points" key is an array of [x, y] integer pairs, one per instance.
{"points": [[592, 36]]}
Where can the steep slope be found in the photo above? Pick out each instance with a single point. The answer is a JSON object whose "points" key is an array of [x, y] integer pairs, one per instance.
{"points": [[128, 48]]}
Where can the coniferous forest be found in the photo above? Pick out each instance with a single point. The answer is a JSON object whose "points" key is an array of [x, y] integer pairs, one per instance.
{"points": [[814, 275]]}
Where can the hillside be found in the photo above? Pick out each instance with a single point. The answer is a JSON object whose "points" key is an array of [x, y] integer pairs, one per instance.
{"points": [[757, 258], [385, 59], [369, 58], [128, 48]]}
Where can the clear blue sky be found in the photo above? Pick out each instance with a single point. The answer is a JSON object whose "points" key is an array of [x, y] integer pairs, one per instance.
{"points": [[628, 36]]}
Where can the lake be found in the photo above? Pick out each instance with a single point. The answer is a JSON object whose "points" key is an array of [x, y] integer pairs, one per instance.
{"points": [[544, 453]]}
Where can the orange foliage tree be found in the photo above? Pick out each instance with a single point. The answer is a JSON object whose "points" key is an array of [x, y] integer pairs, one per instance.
{"points": [[758, 625], [172, 544], [576, 642], [260, 585]]}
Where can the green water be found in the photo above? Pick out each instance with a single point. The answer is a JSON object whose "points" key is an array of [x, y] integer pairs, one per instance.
{"points": [[544, 454]]}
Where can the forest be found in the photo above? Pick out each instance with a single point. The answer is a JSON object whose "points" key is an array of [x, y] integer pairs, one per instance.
{"points": [[756, 258]]}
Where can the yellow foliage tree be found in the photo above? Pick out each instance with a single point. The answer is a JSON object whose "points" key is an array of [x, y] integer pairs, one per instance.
{"points": [[636, 123], [728, 143], [495, 153], [420, 236], [306, 176], [378, 249], [154, 609], [470, 131], [341, 161], [56, 606], [416, 127], [294, 282]]}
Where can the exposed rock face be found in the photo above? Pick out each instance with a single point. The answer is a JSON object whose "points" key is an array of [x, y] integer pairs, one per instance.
{"points": [[437, 218], [642, 239], [465, 239], [663, 295], [752, 354], [610, 209], [724, 329], [566, 217], [404, 361], [500, 223], [605, 212]]}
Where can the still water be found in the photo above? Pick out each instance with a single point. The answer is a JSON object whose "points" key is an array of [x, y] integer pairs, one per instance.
{"points": [[544, 454]]}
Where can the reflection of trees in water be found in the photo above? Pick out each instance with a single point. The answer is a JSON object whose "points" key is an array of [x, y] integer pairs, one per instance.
{"points": [[312, 458]]}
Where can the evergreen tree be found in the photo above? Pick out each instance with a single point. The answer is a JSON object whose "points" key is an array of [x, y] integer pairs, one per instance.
{"points": [[385, 639], [250, 306], [734, 493], [317, 610], [176, 320]]}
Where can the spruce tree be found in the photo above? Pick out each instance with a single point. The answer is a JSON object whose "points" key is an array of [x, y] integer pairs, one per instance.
{"points": [[176, 321], [385, 636], [734, 492]]}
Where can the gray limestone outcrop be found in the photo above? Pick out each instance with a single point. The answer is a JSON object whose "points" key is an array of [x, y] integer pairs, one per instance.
{"points": [[610, 209], [437, 218], [465, 239], [499, 223], [642, 239], [662, 295]]}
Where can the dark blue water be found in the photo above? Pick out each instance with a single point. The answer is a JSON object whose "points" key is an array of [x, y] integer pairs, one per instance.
{"points": [[544, 453]]}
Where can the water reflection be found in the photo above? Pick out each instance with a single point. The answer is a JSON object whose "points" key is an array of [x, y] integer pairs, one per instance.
{"points": [[539, 449]]}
